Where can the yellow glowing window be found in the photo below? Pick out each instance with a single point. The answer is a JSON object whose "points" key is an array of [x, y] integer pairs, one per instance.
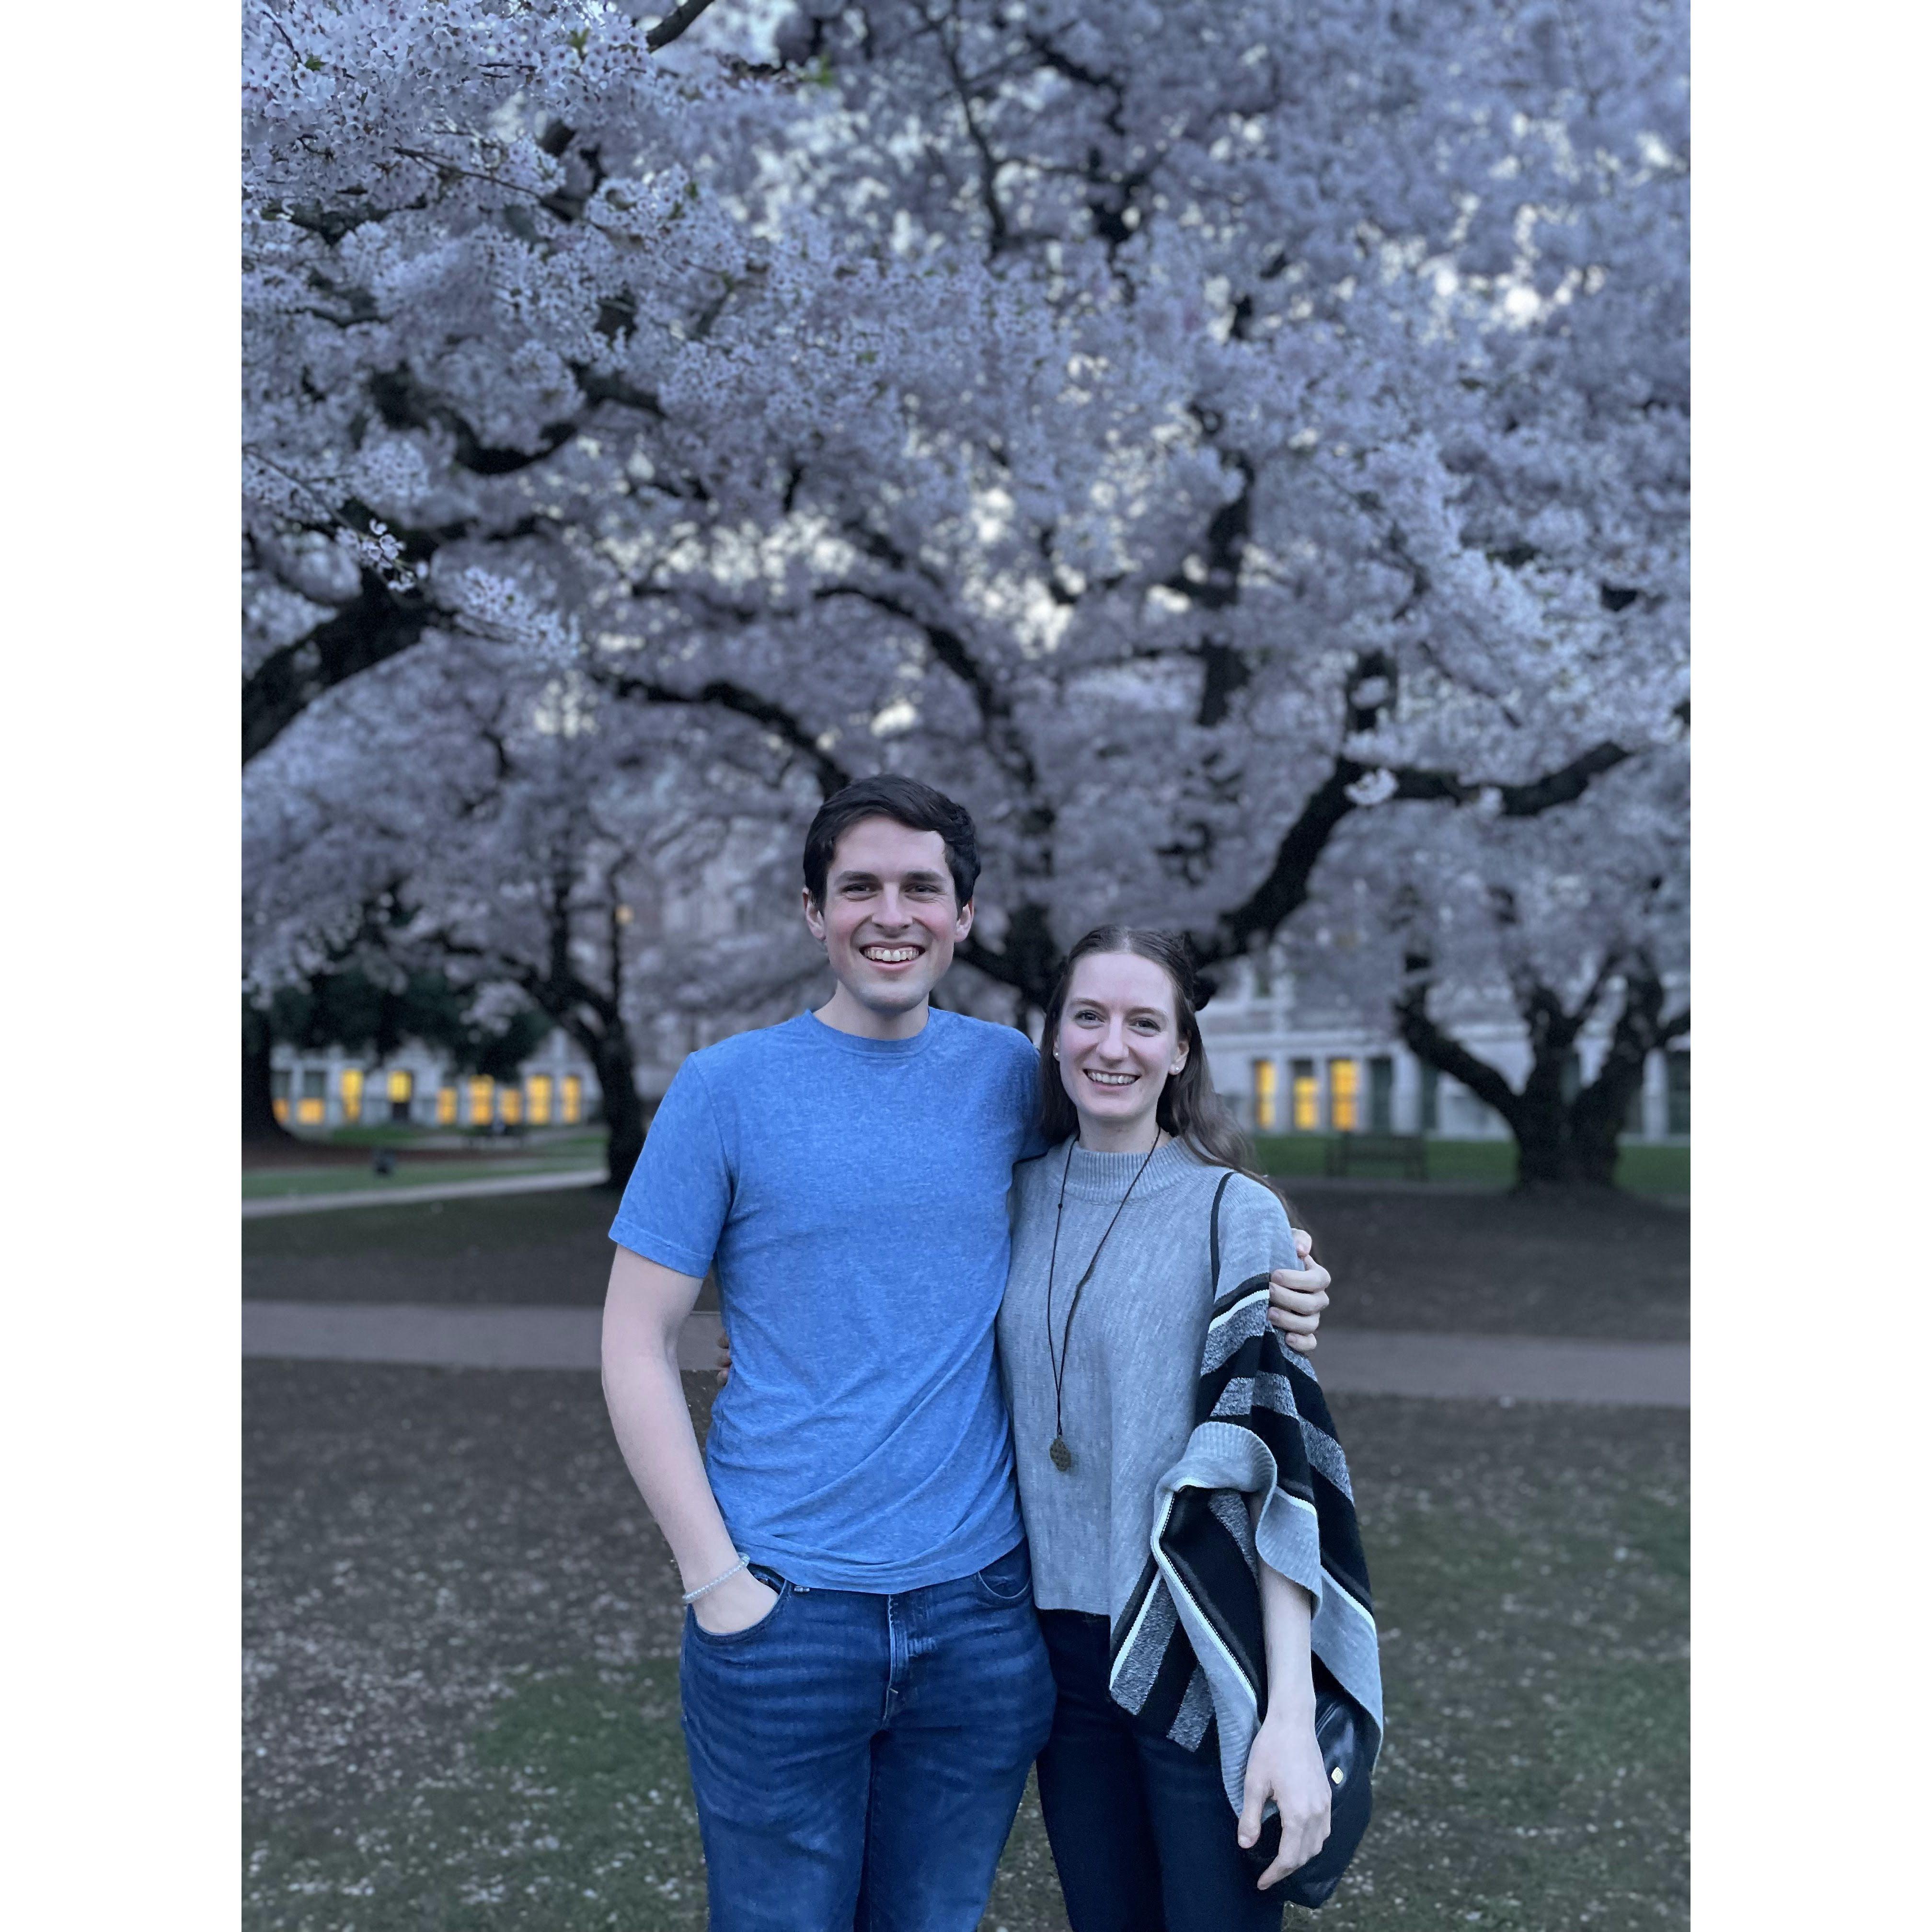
{"points": [[311, 1112], [403, 1087], [280, 1104], [446, 1106], [482, 1100], [1305, 1097], [537, 1089], [1267, 1077], [351, 1091], [511, 1101], [1344, 1091], [573, 1099]]}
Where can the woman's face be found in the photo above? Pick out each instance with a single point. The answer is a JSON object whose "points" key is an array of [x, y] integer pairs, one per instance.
{"points": [[1118, 1043]]}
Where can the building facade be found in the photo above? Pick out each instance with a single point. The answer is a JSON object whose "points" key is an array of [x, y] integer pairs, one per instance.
{"points": [[416, 1086], [1287, 1065]]}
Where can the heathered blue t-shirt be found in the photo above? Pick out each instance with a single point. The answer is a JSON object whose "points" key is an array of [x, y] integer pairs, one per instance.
{"points": [[852, 1195]]}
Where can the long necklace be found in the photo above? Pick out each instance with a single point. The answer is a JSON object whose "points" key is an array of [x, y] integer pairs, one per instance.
{"points": [[1063, 1456]]}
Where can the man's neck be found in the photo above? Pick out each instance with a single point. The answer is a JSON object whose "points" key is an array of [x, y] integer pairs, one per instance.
{"points": [[843, 1014]]}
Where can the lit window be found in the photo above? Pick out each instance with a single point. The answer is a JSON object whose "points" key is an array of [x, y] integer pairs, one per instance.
{"points": [[278, 1093], [537, 1089], [573, 1099], [510, 1103], [482, 1100], [446, 1106], [402, 1089], [1305, 1097], [1345, 1087], [351, 1091], [1267, 1096]]}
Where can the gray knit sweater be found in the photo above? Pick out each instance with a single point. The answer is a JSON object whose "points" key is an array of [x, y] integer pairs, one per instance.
{"points": [[1134, 1360]]}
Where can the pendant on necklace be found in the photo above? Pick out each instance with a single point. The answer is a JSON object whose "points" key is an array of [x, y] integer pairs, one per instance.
{"points": [[1063, 1456]]}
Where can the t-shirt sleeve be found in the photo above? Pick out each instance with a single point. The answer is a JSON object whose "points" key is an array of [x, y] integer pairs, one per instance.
{"points": [[673, 1208], [1256, 1238], [1024, 1079]]}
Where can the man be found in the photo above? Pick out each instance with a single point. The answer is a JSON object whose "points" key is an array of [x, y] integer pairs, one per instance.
{"points": [[864, 1685]]}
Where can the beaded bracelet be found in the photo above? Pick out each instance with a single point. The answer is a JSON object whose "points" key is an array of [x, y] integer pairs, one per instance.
{"points": [[692, 1596]]}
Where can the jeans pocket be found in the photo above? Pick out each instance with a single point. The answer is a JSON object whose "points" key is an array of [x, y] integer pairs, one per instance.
{"points": [[1007, 1580], [725, 1639]]}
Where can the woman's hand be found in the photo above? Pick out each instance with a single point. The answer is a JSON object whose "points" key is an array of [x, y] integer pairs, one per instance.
{"points": [[1285, 1764], [1297, 1297], [723, 1356], [735, 1605]]}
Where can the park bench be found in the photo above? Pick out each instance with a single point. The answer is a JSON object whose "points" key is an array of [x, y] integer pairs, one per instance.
{"points": [[1346, 1152]]}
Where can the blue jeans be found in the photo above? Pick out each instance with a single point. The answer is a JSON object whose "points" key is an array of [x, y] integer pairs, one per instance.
{"points": [[858, 1759], [1143, 1835]]}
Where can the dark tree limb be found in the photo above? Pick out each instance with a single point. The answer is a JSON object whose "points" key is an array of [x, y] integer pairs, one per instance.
{"points": [[1286, 887], [831, 775], [379, 624], [1434, 1048], [1007, 744], [675, 23]]}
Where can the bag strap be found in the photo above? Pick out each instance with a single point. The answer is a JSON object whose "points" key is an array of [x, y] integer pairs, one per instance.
{"points": [[1214, 1237]]}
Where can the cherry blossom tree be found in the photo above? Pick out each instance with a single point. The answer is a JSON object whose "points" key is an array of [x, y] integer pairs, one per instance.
{"points": [[452, 813], [1573, 919], [1178, 429]]}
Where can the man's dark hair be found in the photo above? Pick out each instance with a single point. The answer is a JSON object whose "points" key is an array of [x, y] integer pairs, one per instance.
{"points": [[906, 802]]}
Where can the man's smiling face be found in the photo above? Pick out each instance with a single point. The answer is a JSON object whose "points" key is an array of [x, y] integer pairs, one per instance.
{"points": [[890, 919]]}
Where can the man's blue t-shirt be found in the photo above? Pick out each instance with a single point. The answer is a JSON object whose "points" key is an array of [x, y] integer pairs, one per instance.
{"points": [[852, 1195]]}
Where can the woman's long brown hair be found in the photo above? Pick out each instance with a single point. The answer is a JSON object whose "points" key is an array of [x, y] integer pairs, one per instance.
{"points": [[1189, 1107]]}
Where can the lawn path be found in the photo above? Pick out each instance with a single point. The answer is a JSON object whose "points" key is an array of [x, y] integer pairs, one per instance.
{"points": [[1523, 1368]]}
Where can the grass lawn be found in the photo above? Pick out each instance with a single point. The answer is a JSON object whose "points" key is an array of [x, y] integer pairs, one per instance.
{"points": [[545, 1249], [279, 1182], [1415, 1258], [340, 1161], [1642, 1168], [461, 1634]]}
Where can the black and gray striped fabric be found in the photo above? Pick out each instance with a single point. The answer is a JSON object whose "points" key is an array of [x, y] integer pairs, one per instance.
{"points": [[1262, 1479]]}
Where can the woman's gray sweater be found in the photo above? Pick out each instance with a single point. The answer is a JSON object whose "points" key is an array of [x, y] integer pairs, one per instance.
{"points": [[1133, 1361]]}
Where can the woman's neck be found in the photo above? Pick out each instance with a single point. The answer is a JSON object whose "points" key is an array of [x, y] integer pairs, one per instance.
{"points": [[1141, 1136]]}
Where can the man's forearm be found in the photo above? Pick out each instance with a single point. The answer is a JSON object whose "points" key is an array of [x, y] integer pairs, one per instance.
{"points": [[653, 1430]]}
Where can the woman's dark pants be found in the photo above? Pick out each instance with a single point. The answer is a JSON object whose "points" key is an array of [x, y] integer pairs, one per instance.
{"points": [[1141, 1831]]}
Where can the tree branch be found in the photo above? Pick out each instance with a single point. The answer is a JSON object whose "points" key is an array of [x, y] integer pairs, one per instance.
{"points": [[1434, 1048], [952, 650], [674, 23], [379, 625], [1286, 886], [831, 775]]}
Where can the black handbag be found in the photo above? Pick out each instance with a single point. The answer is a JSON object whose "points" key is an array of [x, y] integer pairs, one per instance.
{"points": [[1341, 1731]]}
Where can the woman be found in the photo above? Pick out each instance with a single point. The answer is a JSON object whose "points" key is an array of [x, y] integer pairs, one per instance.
{"points": [[1101, 1337]]}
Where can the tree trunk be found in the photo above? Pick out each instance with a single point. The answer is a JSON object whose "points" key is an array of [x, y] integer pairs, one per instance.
{"points": [[623, 1107], [1562, 1141], [1545, 1149], [259, 1126]]}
